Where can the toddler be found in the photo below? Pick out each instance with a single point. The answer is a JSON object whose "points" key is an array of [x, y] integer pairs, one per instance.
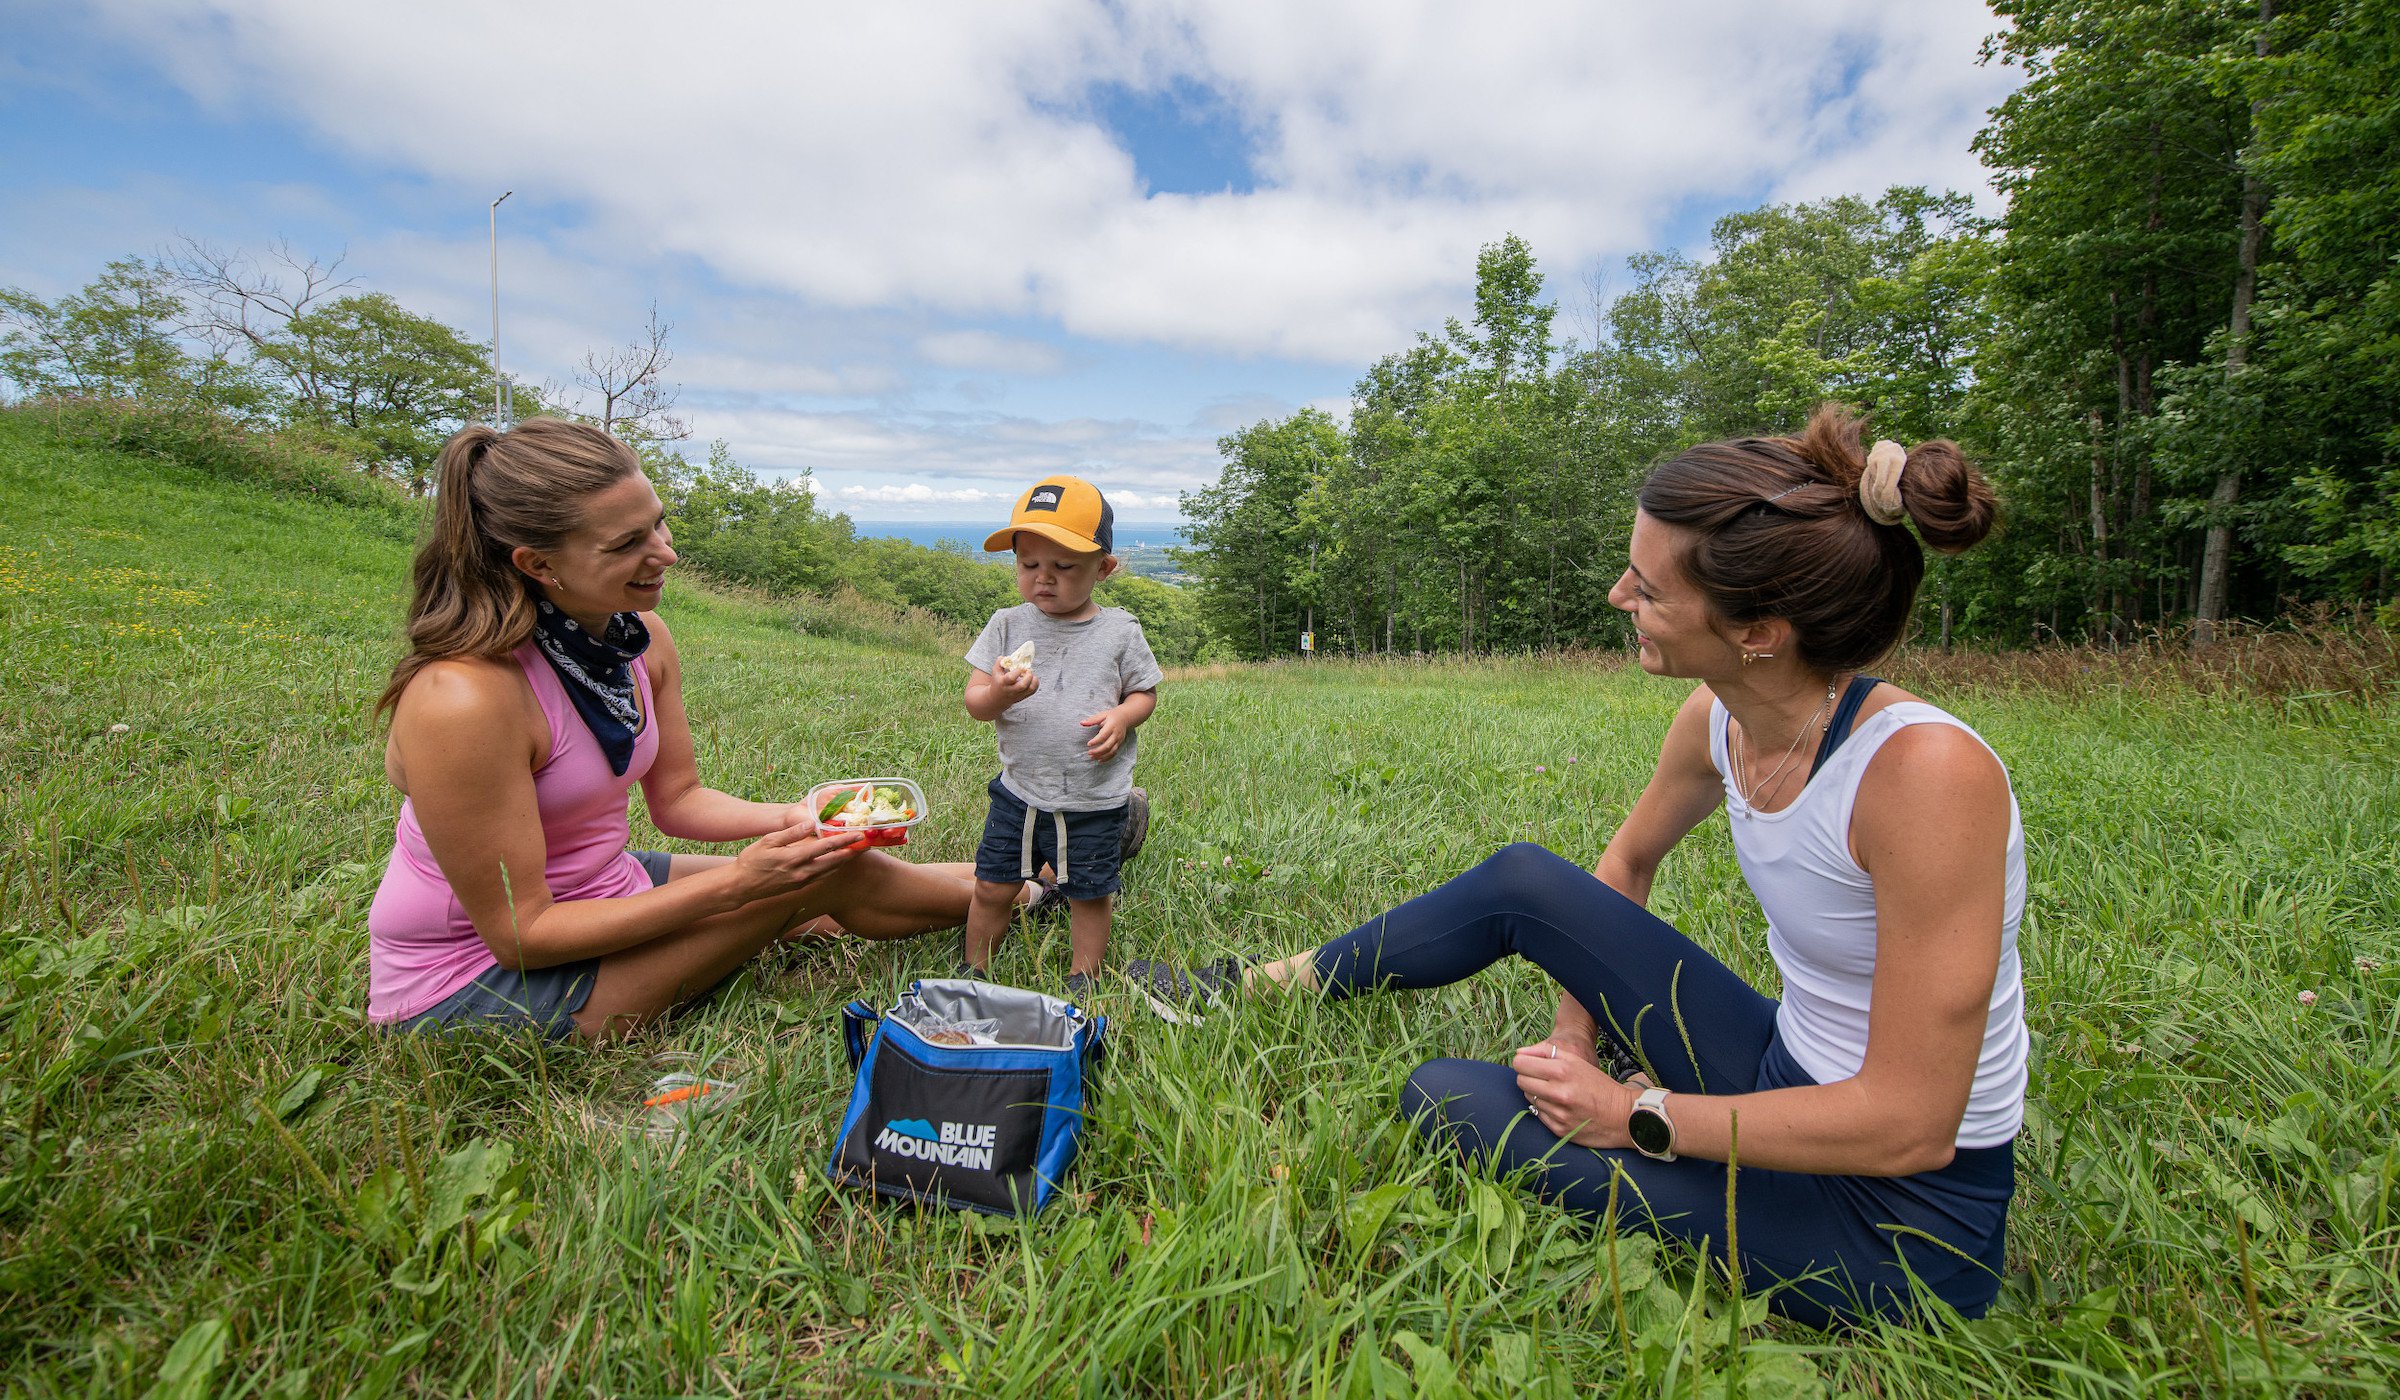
{"points": [[1065, 682]]}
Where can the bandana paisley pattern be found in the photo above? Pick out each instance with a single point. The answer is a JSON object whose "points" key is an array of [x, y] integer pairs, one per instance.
{"points": [[598, 672]]}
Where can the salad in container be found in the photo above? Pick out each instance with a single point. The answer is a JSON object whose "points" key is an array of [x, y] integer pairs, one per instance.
{"points": [[880, 810]]}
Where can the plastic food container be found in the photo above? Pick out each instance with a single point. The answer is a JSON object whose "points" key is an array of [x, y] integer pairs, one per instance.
{"points": [[892, 795]]}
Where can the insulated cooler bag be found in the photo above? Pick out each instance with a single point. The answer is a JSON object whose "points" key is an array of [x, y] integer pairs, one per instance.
{"points": [[968, 1095]]}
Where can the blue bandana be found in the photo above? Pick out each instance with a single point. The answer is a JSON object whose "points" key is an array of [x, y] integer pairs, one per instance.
{"points": [[598, 672]]}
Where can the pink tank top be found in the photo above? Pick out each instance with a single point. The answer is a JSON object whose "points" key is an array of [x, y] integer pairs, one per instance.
{"points": [[421, 946]]}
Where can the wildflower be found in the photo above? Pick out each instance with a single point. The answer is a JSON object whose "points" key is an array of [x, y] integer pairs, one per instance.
{"points": [[120, 729], [2367, 964], [1570, 758], [1229, 860], [2308, 998], [1538, 768]]}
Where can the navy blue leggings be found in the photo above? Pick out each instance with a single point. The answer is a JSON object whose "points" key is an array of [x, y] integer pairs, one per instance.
{"points": [[1829, 1247]]}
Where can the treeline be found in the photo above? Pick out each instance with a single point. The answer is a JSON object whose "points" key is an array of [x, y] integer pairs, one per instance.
{"points": [[198, 351], [2177, 353], [772, 535]]}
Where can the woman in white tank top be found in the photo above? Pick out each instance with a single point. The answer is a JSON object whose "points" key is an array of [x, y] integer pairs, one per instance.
{"points": [[1878, 1100]]}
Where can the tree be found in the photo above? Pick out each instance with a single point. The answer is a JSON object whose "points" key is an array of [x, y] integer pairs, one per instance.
{"points": [[2327, 143], [1241, 530], [2115, 260], [391, 383], [114, 339], [239, 304], [734, 525], [397, 383], [630, 396], [2216, 560]]}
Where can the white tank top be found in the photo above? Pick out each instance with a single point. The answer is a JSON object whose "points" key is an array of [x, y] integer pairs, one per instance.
{"points": [[1821, 923]]}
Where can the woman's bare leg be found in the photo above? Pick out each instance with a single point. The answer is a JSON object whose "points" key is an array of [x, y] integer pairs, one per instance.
{"points": [[828, 925], [875, 896], [642, 983]]}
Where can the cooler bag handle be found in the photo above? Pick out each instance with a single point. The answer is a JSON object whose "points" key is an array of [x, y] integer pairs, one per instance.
{"points": [[856, 1017], [1095, 1037]]}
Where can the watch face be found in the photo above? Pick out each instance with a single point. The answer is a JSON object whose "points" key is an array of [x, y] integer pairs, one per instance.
{"points": [[1649, 1131]]}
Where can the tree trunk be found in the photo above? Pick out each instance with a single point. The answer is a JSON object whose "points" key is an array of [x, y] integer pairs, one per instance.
{"points": [[2099, 530], [1466, 614], [2116, 334], [2135, 522], [2216, 559]]}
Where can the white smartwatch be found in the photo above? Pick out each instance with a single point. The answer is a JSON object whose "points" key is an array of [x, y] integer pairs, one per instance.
{"points": [[1652, 1131]]}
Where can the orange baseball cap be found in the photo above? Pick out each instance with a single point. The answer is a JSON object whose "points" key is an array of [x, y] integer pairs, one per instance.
{"points": [[1065, 510]]}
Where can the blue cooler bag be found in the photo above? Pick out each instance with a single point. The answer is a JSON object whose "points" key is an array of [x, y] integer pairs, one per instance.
{"points": [[969, 1095]]}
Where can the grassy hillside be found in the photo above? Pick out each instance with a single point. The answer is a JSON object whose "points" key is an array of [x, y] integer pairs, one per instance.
{"points": [[214, 1176]]}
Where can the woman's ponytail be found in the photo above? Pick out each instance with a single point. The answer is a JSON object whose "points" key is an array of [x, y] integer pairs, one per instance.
{"points": [[496, 493]]}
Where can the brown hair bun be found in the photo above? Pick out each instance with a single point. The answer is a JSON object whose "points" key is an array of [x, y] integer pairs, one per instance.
{"points": [[1781, 532]]}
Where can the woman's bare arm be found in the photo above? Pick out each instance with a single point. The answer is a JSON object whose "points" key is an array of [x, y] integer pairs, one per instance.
{"points": [[1931, 829], [1681, 793], [468, 742]]}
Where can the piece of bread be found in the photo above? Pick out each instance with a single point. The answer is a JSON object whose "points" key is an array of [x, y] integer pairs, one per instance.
{"points": [[1018, 660]]}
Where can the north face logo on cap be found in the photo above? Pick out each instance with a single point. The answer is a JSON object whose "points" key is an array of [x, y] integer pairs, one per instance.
{"points": [[1044, 498]]}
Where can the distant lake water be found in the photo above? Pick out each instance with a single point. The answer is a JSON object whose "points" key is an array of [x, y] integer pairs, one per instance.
{"points": [[933, 532]]}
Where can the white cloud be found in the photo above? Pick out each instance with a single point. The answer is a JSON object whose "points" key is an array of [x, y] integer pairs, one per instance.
{"points": [[848, 209], [933, 156], [986, 350]]}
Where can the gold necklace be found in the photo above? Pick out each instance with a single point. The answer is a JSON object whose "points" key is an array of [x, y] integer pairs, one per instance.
{"points": [[1749, 792]]}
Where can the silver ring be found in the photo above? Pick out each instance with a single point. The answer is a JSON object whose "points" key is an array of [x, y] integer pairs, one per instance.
{"points": [[1553, 1049]]}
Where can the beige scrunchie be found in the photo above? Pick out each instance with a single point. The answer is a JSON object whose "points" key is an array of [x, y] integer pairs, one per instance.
{"points": [[1879, 484]]}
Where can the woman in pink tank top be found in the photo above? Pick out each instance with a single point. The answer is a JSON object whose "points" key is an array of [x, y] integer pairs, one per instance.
{"points": [[538, 689]]}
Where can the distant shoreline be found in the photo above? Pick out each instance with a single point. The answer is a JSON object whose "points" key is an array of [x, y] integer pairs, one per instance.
{"points": [[933, 532]]}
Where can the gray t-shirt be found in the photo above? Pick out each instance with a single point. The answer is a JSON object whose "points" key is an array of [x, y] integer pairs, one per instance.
{"points": [[1084, 667]]}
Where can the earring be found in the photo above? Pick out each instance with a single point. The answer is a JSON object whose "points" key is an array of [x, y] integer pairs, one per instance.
{"points": [[1750, 656]]}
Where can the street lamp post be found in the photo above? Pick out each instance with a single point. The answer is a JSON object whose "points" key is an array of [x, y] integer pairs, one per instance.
{"points": [[499, 408]]}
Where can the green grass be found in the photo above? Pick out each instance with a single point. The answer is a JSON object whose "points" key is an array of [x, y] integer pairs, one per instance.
{"points": [[215, 1178]]}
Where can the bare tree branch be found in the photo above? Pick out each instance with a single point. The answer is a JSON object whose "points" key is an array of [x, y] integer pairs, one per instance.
{"points": [[238, 301], [629, 382]]}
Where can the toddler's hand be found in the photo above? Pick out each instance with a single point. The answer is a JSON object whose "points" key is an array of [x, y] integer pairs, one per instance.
{"points": [[1015, 683], [1104, 745]]}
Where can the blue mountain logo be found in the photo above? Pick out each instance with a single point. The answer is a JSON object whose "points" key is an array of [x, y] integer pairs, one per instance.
{"points": [[913, 1127]]}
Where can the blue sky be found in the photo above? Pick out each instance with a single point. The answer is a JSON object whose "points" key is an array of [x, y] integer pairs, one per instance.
{"points": [[930, 253]]}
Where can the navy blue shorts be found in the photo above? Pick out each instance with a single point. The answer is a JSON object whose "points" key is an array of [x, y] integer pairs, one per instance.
{"points": [[544, 998], [1095, 846]]}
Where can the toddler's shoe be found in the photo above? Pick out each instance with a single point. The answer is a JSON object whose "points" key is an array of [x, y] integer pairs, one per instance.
{"points": [[1179, 995], [1080, 986]]}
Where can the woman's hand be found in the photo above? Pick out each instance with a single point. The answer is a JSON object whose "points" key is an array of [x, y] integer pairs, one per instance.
{"points": [[782, 861], [800, 817], [1574, 1045], [1572, 1096]]}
